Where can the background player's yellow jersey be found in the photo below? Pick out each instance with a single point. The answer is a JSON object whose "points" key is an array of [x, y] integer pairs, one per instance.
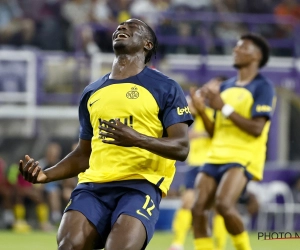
{"points": [[231, 144], [149, 102], [199, 146]]}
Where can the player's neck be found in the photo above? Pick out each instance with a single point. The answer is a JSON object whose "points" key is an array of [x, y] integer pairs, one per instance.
{"points": [[246, 75], [125, 66]]}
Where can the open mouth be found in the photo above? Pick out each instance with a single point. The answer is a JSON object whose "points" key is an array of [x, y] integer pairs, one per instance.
{"points": [[121, 36]]}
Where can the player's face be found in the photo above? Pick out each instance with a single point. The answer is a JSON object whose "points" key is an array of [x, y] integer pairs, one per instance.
{"points": [[129, 36], [244, 53]]}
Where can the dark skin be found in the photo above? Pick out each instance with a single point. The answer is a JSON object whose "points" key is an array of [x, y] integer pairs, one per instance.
{"points": [[175, 142], [246, 58], [252, 126], [224, 195], [131, 42]]}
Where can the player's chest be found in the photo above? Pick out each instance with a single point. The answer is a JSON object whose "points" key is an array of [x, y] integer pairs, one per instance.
{"points": [[240, 98], [120, 100]]}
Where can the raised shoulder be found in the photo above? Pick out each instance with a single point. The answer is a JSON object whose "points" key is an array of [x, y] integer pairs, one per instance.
{"points": [[158, 76], [264, 85], [228, 83], [163, 88], [265, 81]]}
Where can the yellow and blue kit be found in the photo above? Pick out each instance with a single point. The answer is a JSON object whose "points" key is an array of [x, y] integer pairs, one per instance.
{"points": [[232, 145], [127, 180], [149, 102]]}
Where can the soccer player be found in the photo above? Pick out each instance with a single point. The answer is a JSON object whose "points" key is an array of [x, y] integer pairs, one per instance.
{"points": [[247, 206], [133, 126], [243, 107], [6, 196], [199, 145], [53, 189], [25, 190], [15, 190]]}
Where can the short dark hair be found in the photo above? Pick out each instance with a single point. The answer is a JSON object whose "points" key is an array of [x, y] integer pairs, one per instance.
{"points": [[154, 41], [262, 44]]}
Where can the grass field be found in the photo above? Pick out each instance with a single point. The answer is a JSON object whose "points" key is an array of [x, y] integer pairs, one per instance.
{"points": [[160, 241]]}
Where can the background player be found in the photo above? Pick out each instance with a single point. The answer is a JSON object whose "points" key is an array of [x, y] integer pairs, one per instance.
{"points": [[27, 191], [237, 154], [199, 145], [53, 189], [6, 196], [133, 126]]}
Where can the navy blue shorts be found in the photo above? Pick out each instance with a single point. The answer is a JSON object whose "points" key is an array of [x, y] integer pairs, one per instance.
{"points": [[103, 203], [190, 177], [218, 170]]}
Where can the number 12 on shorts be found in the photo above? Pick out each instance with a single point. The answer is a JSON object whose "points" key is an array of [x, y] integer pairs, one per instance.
{"points": [[147, 207]]}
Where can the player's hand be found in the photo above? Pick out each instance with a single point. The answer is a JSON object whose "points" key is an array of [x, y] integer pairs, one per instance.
{"points": [[121, 134], [213, 97], [198, 100], [31, 171]]}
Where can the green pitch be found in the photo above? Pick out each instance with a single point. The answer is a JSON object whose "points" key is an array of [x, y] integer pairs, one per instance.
{"points": [[160, 241]]}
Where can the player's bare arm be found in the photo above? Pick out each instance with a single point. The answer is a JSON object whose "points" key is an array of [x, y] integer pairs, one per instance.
{"points": [[175, 146], [196, 135], [73, 164], [197, 97], [252, 126]]}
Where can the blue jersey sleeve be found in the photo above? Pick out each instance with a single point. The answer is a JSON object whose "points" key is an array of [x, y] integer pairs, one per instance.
{"points": [[264, 101], [176, 109], [86, 130]]}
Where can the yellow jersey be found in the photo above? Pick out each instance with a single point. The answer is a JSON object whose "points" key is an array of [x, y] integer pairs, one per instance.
{"points": [[230, 144], [199, 146], [149, 102]]}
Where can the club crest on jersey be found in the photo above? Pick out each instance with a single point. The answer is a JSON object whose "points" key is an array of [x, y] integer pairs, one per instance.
{"points": [[133, 93]]}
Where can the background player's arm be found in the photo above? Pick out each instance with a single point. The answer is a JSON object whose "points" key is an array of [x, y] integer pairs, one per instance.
{"points": [[175, 146], [253, 126], [74, 163], [193, 134], [199, 105], [208, 123]]}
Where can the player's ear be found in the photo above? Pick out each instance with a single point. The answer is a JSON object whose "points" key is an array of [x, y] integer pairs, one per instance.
{"points": [[258, 55], [148, 45]]}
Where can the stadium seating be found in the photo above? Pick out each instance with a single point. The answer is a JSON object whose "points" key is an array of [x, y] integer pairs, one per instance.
{"points": [[277, 207]]}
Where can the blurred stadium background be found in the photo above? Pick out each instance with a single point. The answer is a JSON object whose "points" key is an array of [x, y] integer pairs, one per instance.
{"points": [[51, 49]]}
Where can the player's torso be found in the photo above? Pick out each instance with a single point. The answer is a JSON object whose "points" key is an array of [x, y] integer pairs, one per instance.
{"points": [[136, 107], [149, 102], [232, 144], [241, 99], [199, 146]]}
